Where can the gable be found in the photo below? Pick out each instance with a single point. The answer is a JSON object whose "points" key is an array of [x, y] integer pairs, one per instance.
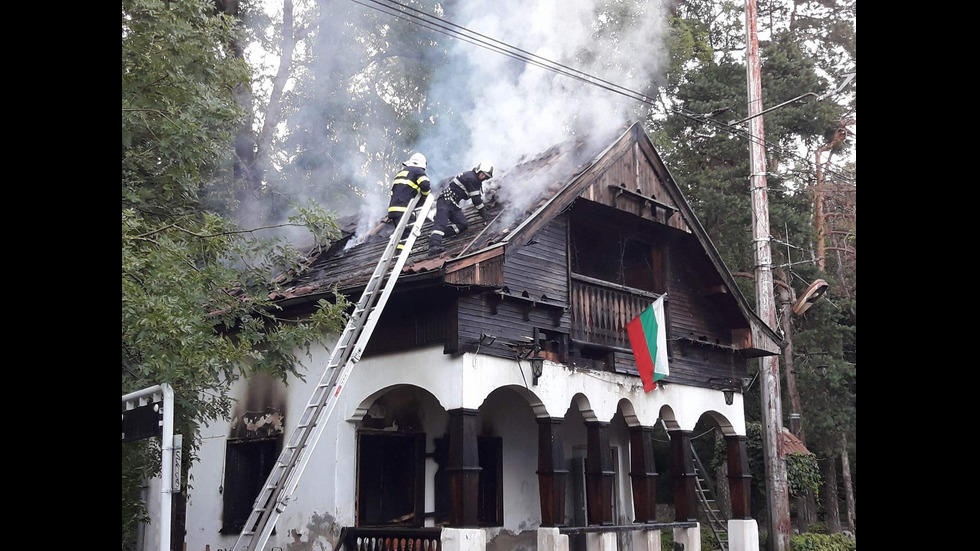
{"points": [[628, 176]]}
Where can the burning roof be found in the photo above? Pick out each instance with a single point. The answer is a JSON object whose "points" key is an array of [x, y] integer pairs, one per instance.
{"points": [[512, 197]]}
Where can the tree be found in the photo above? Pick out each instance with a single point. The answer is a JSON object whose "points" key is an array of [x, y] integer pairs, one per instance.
{"points": [[195, 287], [806, 42]]}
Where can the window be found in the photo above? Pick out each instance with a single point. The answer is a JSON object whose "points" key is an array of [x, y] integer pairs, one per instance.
{"points": [[248, 463], [490, 507], [390, 479], [617, 253]]}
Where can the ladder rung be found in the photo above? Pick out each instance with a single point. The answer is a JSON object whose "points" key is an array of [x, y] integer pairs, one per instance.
{"points": [[342, 354]]}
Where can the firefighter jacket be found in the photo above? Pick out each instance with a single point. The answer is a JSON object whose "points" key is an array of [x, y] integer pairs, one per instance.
{"points": [[466, 185], [409, 181]]}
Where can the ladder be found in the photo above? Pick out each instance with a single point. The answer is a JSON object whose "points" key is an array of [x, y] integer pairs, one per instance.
{"points": [[705, 489], [279, 487]]}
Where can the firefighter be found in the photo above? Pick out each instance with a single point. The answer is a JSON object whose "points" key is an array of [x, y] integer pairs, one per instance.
{"points": [[450, 219], [409, 182]]}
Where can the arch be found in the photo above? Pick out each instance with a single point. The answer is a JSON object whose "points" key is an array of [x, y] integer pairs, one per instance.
{"points": [[726, 427], [364, 406], [625, 406], [532, 399], [668, 417], [584, 407]]}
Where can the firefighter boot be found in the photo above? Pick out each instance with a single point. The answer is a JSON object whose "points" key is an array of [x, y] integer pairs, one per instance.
{"points": [[435, 245]]}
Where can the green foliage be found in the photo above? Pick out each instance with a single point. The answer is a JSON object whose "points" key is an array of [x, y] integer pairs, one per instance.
{"points": [[817, 528], [822, 542], [809, 46], [802, 473], [196, 312], [754, 449]]}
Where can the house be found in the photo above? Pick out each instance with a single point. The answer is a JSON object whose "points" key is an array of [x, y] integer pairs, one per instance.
{"points": [[443, 434]]}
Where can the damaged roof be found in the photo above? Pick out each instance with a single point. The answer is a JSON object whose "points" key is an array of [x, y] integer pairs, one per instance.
{"points": [[349, 262], [521, 200]]}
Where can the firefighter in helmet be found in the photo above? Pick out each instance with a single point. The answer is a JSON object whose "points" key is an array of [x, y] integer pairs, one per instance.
{"points": [[410, 181], [450, 219]]}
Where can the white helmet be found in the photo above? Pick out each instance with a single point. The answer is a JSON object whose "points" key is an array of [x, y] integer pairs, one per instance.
{"points": [[485, 167], [416, 159]]}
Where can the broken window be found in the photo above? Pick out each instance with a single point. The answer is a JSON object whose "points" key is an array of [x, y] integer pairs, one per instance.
{"points": [[619, 253], [248, 462]]}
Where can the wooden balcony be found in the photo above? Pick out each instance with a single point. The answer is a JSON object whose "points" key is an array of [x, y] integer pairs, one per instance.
{"points": [[601, 310]]}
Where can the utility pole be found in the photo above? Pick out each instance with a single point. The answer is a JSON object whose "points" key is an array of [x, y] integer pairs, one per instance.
{"points": [[777, 488]]}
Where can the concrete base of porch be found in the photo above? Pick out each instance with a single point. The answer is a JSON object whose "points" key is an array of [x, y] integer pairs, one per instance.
{"points": [[646, 540], [464, 539], [605, 541], [690, 537], [743, 535], [549, 539]]}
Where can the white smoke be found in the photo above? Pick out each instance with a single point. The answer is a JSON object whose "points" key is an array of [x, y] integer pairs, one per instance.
{"points": [[515, 110], [484, 105]]}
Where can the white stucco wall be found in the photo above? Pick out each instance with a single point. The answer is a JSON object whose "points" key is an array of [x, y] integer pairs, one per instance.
{"points": [[326, 491]]}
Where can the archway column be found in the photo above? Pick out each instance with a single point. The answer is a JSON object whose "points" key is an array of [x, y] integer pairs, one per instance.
{"points": [[552, 474], [599, 473], [739, 477], [682, 476], [464, 468], [643, 474]]}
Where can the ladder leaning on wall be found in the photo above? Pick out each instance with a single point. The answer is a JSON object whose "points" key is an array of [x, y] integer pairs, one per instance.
{"points": [[284, 478]]}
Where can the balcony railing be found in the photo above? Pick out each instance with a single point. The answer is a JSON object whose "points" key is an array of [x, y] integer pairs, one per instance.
{"points": [[392, 539], [601, 310]]}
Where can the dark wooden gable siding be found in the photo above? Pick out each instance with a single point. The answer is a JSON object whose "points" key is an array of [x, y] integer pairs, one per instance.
{"points": [[701, 328], [534, 295], [631, 179], [700, 335]]}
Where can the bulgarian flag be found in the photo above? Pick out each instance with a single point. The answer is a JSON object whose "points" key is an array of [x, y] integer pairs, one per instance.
{"points": [[648, 338]]}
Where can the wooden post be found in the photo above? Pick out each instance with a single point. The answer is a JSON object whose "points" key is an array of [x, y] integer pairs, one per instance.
{"points": [[552, 474], [683, 475], [598, 473], [464, 468], [777, 487], [739, 477], [643, 474]]}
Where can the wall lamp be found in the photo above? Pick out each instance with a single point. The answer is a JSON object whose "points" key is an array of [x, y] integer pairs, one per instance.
{"points": [[728, 387], [537, 366], [531, 354], [486, 340]]}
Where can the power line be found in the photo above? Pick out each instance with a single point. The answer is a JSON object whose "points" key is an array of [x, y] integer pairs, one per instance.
{"points": [[417, 17]]}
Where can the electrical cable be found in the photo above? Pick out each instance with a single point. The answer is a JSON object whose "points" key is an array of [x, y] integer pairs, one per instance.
{"points": [[445, 27]]}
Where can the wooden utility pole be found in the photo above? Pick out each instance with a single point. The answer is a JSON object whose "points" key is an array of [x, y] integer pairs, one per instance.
{"points": [[777, 488]]}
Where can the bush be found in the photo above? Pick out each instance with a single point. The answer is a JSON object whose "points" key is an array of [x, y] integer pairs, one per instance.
{"points": [[822, 542], [817, 528]]}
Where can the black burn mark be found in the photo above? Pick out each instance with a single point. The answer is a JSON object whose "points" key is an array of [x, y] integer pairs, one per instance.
{"points": [[261, 412]]}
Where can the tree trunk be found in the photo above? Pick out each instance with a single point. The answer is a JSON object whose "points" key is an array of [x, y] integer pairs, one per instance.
{"points": [[820, 219], [848, 487], [806, 511], [829, 468]]}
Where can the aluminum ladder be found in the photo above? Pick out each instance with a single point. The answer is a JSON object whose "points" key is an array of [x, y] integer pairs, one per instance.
{"points": [[705, 489], [284, 477]]}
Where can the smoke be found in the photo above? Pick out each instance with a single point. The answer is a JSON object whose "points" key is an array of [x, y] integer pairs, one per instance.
{"points": [[507, 111], [483, 105]]}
